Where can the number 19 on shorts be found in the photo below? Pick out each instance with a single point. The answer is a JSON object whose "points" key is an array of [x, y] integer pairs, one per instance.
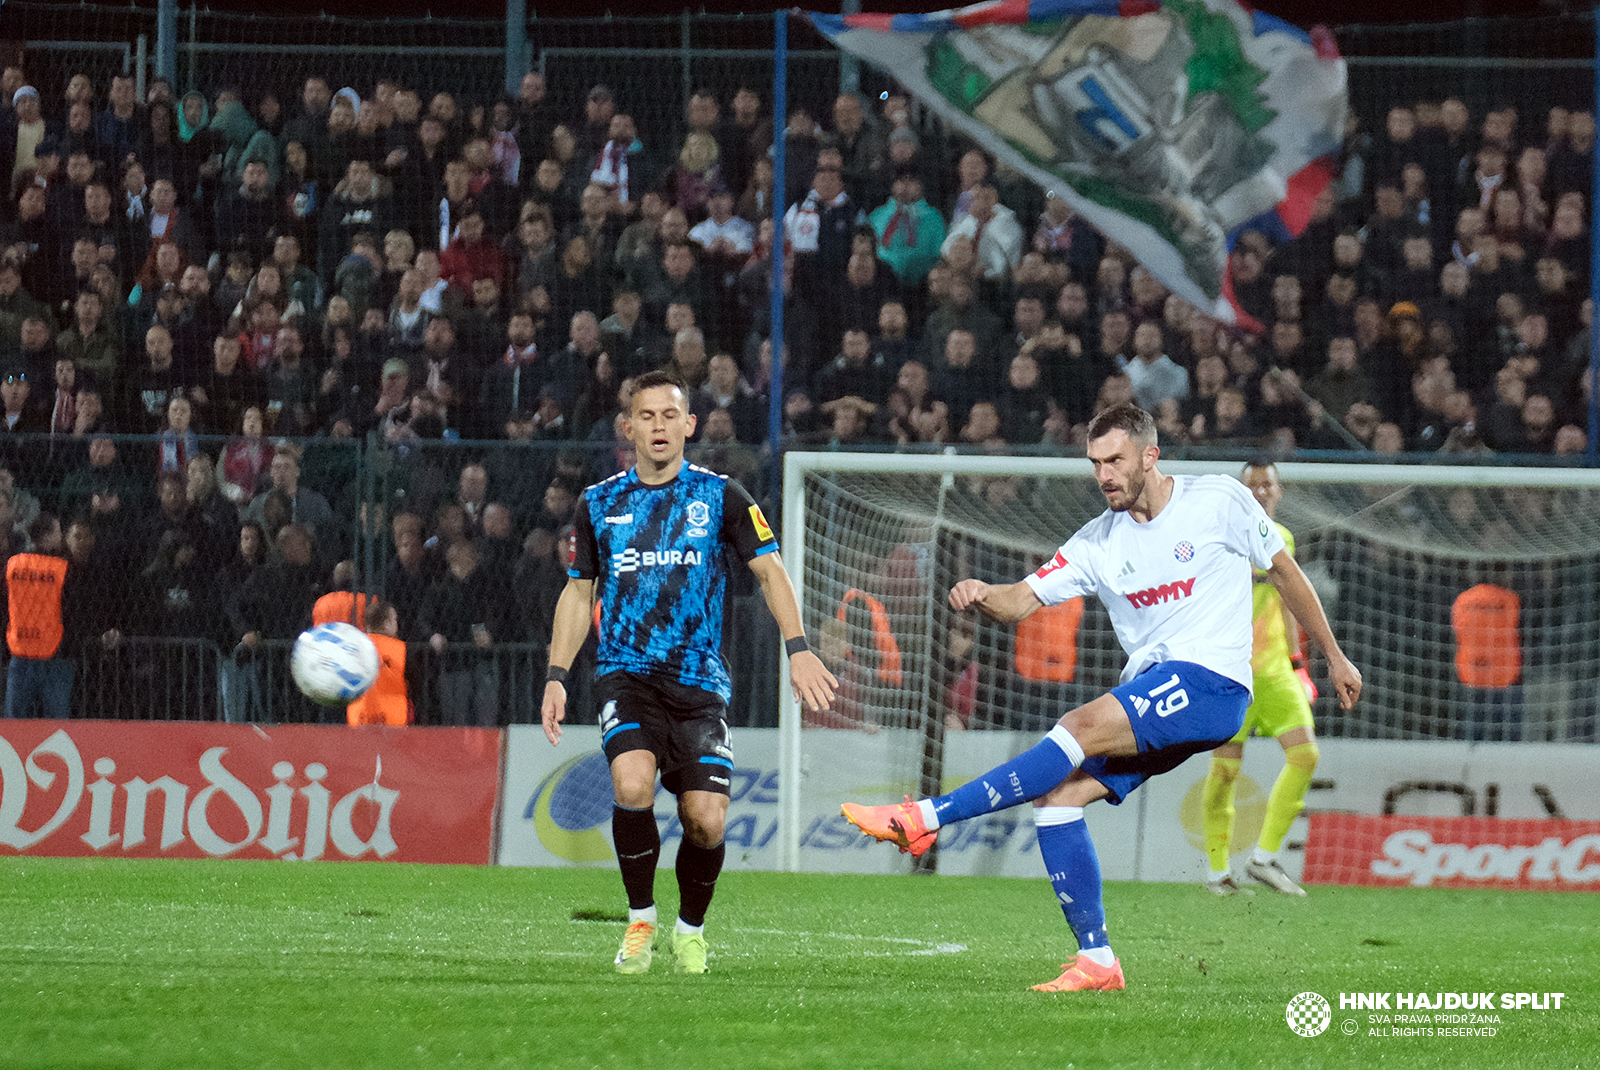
{"points": [[1168, 698]]}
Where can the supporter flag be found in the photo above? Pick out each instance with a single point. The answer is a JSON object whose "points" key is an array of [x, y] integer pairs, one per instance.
{"points": [[1172, 127]]}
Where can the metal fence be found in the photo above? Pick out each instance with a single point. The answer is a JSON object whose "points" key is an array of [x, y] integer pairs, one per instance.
{"points": [[658, 61]]}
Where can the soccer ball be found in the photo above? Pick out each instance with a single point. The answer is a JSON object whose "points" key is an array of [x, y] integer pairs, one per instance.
{"points": [[334, 664]]}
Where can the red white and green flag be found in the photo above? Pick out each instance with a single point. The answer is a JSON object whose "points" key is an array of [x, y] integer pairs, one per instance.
{"points": [[1172, 127]]}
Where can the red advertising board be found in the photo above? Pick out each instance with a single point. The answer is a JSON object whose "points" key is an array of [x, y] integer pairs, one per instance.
{"points": [[1453, 852], [176, 790]]}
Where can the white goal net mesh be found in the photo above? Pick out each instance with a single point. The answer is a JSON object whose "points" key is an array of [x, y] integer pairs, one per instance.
{"points": [[1472, 610]]}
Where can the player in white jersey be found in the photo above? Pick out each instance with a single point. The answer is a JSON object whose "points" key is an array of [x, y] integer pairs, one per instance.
{"points": [[1171, 561]]}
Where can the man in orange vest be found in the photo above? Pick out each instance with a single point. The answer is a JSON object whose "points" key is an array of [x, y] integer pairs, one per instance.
{"points": [[38, 677], [1485, 619], [387, 701], [343, 604]]}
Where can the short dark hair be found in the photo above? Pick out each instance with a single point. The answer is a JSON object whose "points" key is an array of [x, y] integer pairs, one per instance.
{"points": [[660, 377], [1128, 417]]}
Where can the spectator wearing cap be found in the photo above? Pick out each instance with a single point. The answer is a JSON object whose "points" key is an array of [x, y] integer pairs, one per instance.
{"points": [[1399, 354], [905, 153], [344, 142], [47, 161], [910, 231], [29, 130]]}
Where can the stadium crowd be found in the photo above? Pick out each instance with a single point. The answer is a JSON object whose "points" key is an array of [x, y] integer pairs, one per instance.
{"points": [[255, 285]]}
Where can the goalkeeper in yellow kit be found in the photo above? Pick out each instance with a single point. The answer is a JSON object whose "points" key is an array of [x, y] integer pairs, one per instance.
{"points": [[1281, 709]]}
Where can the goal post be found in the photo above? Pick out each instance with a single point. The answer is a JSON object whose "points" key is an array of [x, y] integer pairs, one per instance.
{"points": [[873, 541]]}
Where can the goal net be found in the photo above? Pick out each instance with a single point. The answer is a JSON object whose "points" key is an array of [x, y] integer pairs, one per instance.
{"points": [[1465, 595]]}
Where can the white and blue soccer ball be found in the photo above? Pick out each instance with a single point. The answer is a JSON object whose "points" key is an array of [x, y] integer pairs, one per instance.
{"points": [[334, 664]]}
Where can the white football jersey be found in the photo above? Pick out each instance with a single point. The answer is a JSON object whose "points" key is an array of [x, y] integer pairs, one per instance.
{"points": [[1178, 587]]}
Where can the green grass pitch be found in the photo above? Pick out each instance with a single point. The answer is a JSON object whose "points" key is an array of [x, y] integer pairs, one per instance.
{"points": [[258, 965]]}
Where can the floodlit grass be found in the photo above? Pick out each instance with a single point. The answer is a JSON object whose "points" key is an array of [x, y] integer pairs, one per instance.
{"points": [[319, 966]]}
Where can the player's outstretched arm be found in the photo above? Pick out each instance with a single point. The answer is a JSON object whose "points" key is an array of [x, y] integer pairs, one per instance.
{"points": [[1300, 598], [812, 682], [1007, 603], [568, 631]]}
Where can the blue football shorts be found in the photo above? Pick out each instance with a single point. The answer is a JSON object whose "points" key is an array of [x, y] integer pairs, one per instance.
{"points": [[1177, 708]]}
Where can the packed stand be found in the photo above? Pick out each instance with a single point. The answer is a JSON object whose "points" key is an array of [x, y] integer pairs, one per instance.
{"points": [[256, 285]]}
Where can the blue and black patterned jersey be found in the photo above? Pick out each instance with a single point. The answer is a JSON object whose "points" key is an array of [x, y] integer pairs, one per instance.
{"points": [[659, 556]]}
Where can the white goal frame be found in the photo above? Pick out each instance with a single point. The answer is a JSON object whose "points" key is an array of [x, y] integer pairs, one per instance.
{"points": [[797, 465]]}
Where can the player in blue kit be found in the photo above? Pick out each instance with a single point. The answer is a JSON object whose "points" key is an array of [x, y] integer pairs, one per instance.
{"points": [[654, 541], [1170, 560]]}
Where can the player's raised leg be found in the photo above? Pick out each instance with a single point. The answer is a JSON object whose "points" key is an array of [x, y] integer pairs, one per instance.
{"points": [[638, 845], [1074, 869], [1099, 727]]}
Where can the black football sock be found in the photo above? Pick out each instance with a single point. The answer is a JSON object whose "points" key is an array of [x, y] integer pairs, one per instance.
{"points": [[698, 868], [638, 843]]}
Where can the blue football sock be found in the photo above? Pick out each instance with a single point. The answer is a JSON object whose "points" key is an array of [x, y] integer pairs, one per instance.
{"points": [[1024, 778], [1074, 868]]}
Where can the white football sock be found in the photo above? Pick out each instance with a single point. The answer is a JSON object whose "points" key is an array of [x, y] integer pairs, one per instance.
{"points": [[647, 914], [1100, 956]]}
